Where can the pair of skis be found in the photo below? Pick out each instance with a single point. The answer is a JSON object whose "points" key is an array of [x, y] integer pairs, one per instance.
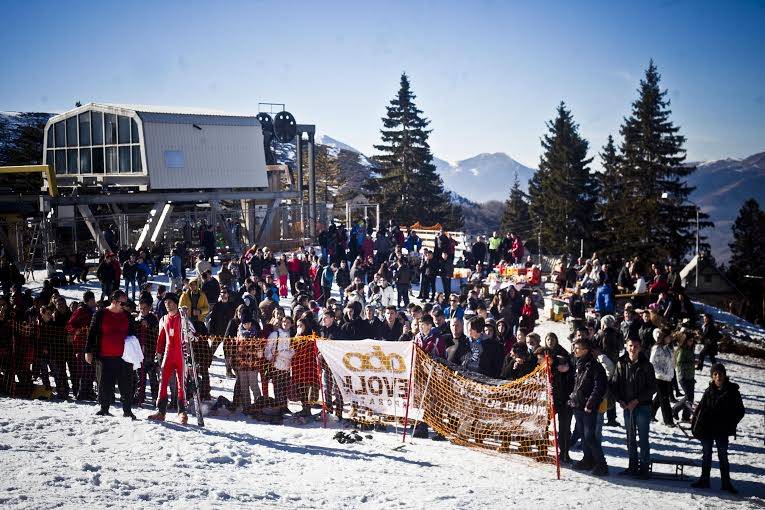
{"points": [[193, 382]]}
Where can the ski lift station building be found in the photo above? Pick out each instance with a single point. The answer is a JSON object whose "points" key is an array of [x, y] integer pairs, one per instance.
{"points": [[151, 148]]}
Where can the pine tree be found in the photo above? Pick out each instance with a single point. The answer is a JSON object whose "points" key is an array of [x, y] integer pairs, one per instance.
{"points": [[607, 210], [563, 191], [748, 246], [408, 188], [655, 220], [516, 216]]}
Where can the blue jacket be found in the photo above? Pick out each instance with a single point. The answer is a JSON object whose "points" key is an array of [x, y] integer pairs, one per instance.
{"points": [[604, 300], [459, 313]]}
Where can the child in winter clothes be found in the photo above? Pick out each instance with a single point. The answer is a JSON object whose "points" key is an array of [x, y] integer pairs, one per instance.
{"points": [[279, 352], [249, 353]]}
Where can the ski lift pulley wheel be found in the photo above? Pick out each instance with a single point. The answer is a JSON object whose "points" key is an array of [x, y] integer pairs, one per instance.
{"points": [[266, 123], [285, 127]]}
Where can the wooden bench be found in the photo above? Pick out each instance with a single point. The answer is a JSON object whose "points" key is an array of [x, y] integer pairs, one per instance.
{"points": [[680, 464]]}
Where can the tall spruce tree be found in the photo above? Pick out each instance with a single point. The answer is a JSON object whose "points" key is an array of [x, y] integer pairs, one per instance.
{"points": [[748, 246], [408, 188], [516, 217], [563, 191], [606, 210], [652, 165]]}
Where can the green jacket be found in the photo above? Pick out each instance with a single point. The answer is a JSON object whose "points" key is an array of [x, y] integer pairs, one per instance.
{"points": [[684, 363]]}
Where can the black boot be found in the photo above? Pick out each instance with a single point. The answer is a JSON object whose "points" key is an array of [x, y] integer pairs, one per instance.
{"points": [[701, 483], [104, 411]]}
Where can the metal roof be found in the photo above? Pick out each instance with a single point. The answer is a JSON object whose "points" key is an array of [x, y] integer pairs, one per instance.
{"points": [[179, 110], [185, 115]]}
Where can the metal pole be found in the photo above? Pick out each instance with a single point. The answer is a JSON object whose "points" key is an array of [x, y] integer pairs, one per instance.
{"points": [[377, 210], [312, 184], [539, 242], [698, 260]]}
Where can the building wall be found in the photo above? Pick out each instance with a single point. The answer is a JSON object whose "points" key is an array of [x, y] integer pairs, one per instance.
{"points": [[180, 156]]}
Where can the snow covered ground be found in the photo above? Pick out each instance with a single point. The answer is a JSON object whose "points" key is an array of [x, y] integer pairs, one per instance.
{"points": [[61, 455]]}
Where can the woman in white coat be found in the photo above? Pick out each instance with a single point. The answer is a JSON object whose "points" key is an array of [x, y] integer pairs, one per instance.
{"points": [[662, 359]]}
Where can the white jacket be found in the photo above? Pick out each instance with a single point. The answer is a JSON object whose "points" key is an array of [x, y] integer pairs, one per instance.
{"points": [[278, 349], [662, 359]]}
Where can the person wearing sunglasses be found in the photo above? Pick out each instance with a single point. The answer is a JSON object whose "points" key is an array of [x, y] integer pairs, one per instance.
{"points": [[105, 345]]}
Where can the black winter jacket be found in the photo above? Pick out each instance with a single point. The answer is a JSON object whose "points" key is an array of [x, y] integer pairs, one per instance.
{"points": [[718, 412], [590, 384], [634, 380]]}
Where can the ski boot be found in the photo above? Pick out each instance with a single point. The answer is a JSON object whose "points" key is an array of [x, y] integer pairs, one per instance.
{"points": [[183, 417], [161, 411]]}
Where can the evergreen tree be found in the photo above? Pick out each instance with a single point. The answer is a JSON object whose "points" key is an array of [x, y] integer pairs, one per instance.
{"points": [[408, 188], [516, 217], [607, 210], [24, 148], [748, 246], [563, 191], [655, 219]]}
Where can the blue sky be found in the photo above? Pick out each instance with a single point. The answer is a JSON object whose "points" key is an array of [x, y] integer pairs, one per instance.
{"points": [[488, 74]]}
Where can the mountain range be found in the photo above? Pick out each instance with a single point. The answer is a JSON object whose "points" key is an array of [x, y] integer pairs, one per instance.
{"points": [[722, 187]]}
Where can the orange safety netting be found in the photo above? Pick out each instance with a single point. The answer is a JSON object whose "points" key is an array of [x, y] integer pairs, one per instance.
{"points": [[505, 417]]}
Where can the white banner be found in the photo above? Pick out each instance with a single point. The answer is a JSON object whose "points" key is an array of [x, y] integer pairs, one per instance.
{"points": [[372, 374]]}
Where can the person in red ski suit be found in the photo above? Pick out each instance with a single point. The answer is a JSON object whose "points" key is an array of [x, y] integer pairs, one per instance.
{"points": [[170, 351]]}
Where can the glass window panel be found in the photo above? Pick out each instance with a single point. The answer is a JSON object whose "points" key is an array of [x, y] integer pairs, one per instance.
{"points": [[98, 160], [124, 159], [174, 159], [71, 131], [85, 128], [124, 129], [137, 167], [112, 162], [60, 134], [134, 131], [60, 162], [85, 161], [72, 161], [110, 128], [50, 158], [97, 125], [51, 136]]}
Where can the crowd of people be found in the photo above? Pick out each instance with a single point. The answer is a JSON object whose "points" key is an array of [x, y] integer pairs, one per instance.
{"points": [[642, 359]]}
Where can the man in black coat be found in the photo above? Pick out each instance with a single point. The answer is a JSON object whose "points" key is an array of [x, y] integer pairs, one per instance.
{"points": [[590, 385], [633, 386], [485, 355], [478, 250], [460, 343], [391, 328], [710, 336], [716, 417]]}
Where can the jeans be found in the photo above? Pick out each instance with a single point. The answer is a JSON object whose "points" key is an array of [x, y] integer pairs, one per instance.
{"points": [[706, 351], [722, 455], [446, 282], [59, 376], [131, 283], [662, 400], [685, 404], [403, 294], [638, 423], [248, 381], [586, 424], [564, 430]]}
